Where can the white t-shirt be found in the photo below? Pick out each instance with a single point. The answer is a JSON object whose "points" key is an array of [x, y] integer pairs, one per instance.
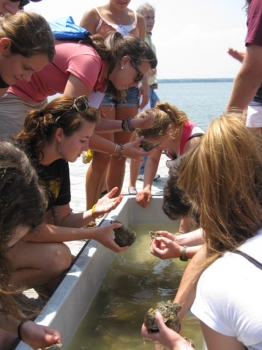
{"points": [[229, 295]]}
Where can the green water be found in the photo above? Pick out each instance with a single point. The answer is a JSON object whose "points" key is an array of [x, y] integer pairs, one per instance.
{"points": [[135, 282]]}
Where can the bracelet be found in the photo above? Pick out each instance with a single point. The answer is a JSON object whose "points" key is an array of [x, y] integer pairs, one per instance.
{"points": [[183, 255], [20, 328], [110, 154], [120, 156], [126, 125], [94, 214], [181, 231]]}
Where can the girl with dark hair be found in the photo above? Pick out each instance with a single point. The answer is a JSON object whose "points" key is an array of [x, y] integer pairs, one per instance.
{"points": [[51, 138], [22, 209]]}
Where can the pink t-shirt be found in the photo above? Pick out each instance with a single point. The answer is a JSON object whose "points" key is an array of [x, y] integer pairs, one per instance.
{"points": [[71, 58]]}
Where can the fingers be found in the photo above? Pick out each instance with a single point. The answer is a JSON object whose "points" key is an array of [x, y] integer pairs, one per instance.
{"points": [[112, 192]]}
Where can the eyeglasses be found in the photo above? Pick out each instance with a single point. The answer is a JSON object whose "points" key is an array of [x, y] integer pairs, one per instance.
{"points": [[139, 75], [81, 104], [24, 2]]}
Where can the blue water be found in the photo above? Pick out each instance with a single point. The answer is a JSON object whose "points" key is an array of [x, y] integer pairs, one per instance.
{"points": [[202, 102]]}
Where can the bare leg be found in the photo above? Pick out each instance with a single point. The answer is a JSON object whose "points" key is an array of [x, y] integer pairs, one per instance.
{"points": [[134, 170], [96, 173], [116, 170], [38, 263]]}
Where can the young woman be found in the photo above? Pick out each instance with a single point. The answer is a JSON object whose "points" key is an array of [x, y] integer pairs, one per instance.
{"points": [[51, 138], [223, 177], [22, 209], [103, 20], [176, 135], [26, 46]]}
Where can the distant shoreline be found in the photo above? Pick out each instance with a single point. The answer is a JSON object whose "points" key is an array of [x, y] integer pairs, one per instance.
{"points": [[210, 80]]}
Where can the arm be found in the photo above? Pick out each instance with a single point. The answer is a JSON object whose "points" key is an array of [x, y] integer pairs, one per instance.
{"points": [[165, 248], [49, 234], [90, 21], [37, 336], [63, 216], [106, 125], [187, 289], [215, 340], [143, 197], [248, 79], [131, 149]]}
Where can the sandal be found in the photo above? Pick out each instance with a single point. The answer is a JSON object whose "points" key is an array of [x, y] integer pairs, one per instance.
{"points": [[132, 191]]}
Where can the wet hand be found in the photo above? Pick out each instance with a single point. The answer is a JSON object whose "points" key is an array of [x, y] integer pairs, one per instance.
{"points": [[164, 248], [133, 151], [143, 198]]}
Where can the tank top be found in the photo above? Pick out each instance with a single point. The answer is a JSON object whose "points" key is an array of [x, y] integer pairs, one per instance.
{"points": [[104, 27]]}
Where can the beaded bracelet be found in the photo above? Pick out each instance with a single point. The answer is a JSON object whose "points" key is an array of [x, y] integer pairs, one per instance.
{"points": [[120, 156], [126, 125], [110, 154], [94, 214]]}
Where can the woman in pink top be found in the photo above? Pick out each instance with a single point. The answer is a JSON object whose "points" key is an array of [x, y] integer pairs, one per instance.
{"points": [[103, 20], [176, 135]]}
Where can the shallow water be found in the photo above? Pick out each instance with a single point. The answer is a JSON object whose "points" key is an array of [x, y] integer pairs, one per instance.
{"points": [[135, 281]]}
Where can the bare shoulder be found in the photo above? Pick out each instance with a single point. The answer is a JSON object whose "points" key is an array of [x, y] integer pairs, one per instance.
{"points": [[90, 19]]}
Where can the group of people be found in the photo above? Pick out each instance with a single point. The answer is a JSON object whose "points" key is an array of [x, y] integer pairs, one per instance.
{"points": [[214, 177]]}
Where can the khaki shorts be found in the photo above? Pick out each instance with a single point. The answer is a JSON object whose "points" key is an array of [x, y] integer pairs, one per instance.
{"points": [[13, 111]]}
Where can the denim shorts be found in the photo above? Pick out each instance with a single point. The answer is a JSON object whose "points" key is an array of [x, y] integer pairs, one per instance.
{"points": [[131, 99]]}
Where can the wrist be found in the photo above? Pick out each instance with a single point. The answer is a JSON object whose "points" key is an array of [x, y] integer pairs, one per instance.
{"points": [[95, 216], [183, 256], [126, 125], [19, 329]]}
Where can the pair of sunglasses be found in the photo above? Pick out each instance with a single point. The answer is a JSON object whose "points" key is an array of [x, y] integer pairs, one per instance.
{"points": [[24, 2], [139, 75], [81, 104]]}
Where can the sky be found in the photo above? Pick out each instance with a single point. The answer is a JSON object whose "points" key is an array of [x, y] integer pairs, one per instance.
{"points": [[191, 36]]}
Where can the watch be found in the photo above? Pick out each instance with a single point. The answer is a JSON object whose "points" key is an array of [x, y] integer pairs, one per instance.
{"points": [[183, 255]]}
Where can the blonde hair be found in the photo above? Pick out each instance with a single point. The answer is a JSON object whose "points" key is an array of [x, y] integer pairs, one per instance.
{"points": [[165, 114], [223, 176]]}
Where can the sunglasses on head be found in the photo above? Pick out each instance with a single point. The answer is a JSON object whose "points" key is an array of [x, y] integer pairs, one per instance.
{"points": [[81, 104], [139, 75], [24, 2]]}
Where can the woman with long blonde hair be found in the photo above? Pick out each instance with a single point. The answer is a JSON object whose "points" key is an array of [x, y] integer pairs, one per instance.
{"points": [[223, 177]]}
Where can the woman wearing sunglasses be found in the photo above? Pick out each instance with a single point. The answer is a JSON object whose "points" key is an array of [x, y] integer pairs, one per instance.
{"points": [[22, 209], [26, 46], [176, 135], [51, 138], [103, 20]]}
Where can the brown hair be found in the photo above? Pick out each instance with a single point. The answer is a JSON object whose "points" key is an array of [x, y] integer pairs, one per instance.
{"points": [[223, 176], [21, 204], [165, 115], [39, 127], [29, 33]]}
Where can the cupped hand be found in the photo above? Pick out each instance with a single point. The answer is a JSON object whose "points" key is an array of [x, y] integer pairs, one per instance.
{"points": [[108, 202], [38, 336], [133, 151], [166, 336], [102, 234], [165, 248], [143, 198], [143, 123]]}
